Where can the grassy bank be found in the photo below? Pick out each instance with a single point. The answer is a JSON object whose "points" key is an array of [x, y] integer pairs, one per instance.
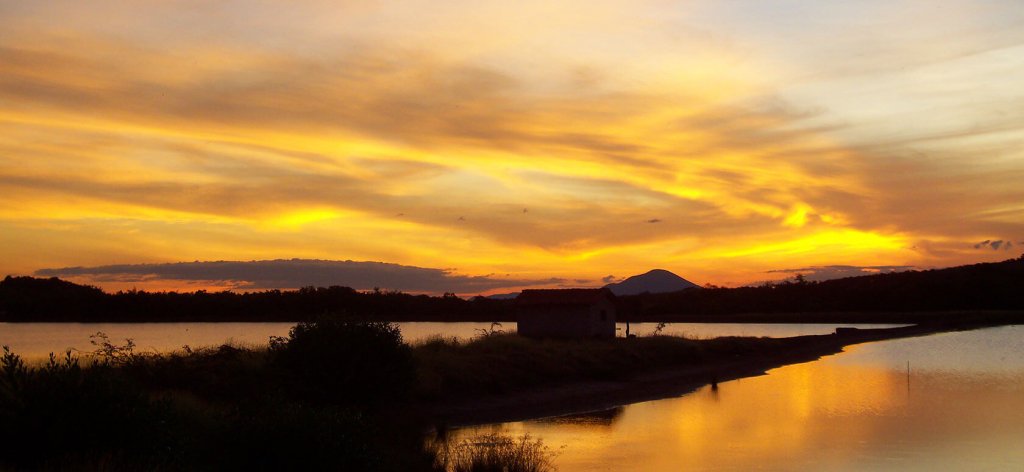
{"points": [[449, 369]]}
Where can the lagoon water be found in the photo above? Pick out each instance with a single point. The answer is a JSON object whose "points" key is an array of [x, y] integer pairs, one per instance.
{"points": [[37, 340], [960, 408]]}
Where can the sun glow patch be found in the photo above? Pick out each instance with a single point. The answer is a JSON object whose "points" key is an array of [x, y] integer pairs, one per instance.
{"points": [[304, 217], [845, 241], [797, 218]]}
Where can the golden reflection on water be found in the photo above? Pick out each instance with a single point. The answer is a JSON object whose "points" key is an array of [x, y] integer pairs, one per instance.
{"points": [[824, 415]]}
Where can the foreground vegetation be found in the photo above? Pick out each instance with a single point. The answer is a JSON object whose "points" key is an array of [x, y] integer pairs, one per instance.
{"points": [[313, 399], [334, 394], [498, 364], [492, 453]]}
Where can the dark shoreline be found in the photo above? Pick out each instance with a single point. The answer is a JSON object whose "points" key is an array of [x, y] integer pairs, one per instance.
{"points": [[858, 317], [590, 396]]}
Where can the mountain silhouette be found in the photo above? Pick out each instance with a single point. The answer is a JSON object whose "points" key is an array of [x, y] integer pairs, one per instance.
{"points": [[655, 281], [504, 296]]}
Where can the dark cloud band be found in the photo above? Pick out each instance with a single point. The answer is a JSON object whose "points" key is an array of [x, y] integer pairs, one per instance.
{"points": [[293, 273]]}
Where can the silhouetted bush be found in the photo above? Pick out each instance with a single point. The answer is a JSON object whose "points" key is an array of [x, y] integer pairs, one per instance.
{"points": [[218, 409], [224, 373], [292, 436], [493, 453], [340, 361], [63, 416]]}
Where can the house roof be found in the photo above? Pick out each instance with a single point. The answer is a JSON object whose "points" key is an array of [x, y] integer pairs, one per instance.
{"points": [[568, 296]]}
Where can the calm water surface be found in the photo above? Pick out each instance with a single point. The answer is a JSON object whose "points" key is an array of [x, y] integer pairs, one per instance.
{"points": [[37, 340], [960, 408]]}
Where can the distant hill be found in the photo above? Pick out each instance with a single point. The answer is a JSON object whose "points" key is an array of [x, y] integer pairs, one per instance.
{"points": [[655, 281], [985, 286]]}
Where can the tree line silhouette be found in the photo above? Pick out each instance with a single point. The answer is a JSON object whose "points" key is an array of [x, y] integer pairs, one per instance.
{"points": [[37, 299], [985, 286]]}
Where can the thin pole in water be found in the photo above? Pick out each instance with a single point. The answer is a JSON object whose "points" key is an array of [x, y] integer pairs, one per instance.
{"points": [[908, 376]]}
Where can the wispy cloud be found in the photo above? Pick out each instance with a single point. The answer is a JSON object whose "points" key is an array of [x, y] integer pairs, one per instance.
{"points": [[818, 273]]}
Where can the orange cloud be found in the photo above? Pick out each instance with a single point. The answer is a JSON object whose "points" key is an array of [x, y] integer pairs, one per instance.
{"points": [[515, 146]]}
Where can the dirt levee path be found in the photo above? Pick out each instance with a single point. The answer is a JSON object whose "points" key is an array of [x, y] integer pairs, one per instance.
{"points": [[584, 396]]}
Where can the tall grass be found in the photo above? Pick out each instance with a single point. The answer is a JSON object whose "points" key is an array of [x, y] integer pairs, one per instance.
{"points": [[62, 416], [493, 453]]}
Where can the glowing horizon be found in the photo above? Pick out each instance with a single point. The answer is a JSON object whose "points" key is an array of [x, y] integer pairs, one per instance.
{"points": [[527, 141]]}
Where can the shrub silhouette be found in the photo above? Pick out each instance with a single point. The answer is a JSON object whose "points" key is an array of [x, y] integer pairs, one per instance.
{"points": [[290, 436], [220, 409], [492, 452], [61, 415], [339, 361]]}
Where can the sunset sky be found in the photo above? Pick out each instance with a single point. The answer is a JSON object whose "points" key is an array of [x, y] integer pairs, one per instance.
{"points": [[481, 147]]}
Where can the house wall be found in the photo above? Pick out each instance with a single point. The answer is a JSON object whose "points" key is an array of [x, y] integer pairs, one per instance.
{"points": [[567, 321], [602, 327], [554, 321]]}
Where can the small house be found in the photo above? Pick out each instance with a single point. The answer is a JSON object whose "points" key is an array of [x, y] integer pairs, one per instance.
{"points": [[566, 313]]}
